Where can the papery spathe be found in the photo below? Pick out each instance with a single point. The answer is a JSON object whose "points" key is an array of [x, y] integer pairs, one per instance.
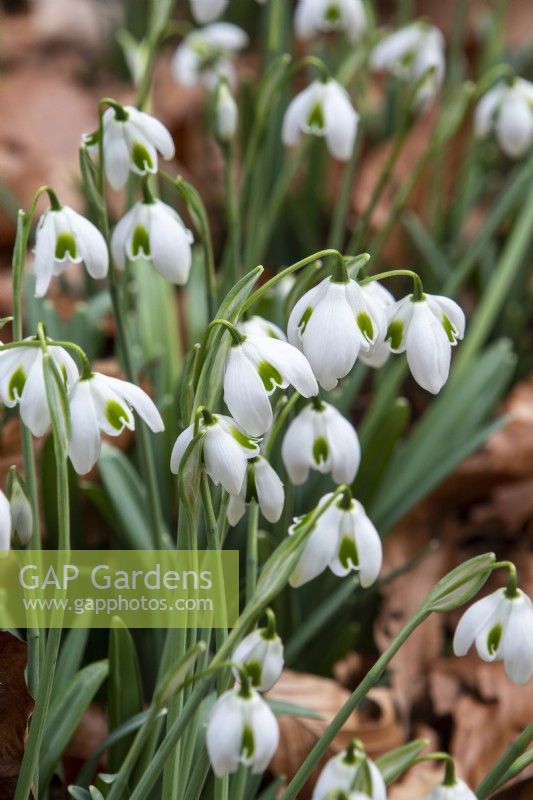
{"points": [[501, 627], [322, 109], [325, 16], [103, 404], [262, 484], [241, 730], [64, 237], [320, 438], [155, 232]]}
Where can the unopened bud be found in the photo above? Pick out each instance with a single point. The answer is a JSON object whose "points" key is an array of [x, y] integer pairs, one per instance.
{"points": [[21, 512], [226, 113]]}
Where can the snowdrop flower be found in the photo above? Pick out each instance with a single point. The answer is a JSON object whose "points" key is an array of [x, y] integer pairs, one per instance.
{"points": [[322, 109], [411, 52], [261, 655], [131, 142], [225, 448], [226, 113], [332, 323], [102, 404], [507, 110], [241, 730], [501, 626], [426, 330], [64, 237], [255, 367], [5, 523], [377, 296], [321, 438], [262, 484], [456, 791], [325, 16], [258, 326], [207, 10], [154, 231], [22, 382], [343, 539], [345, 769], [204, 56]]}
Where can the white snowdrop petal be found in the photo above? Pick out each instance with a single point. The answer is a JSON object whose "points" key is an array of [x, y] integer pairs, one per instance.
{"points": [[517, 645], [224, 734], [269, 487], [449, 309], [297, 446], [266, 735], [91, 244], [135, 397], [122, 236], [236, 508], [344, 445], [472, 622], [486, 110], [341, 122], [459, 791], [245, 394], [180, 446], [318, 551], [369, 548], [117, 156], [85, 442], [170, 245], [154, 131], [207, 10], [5, 523], [290, 363], [514, 125], [225, 461], [225, 35], [296, 115], [306, 303], [336, 774], [428, 349], [45, 243]]}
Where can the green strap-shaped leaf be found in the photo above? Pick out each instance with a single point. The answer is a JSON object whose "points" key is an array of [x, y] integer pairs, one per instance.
{"points": [[125, 695]]}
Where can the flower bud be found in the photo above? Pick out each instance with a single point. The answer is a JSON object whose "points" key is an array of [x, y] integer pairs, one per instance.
{"points": [[226, 113], [21, 512]]}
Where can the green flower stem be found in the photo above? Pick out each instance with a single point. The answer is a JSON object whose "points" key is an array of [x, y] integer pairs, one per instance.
{"points": [[28, 771], [160, 15], [251, 550], [449, 774], [268, 285], [340, 213], [494, 778], [368, 682], [279, 422], [233, 247], [238, 789]]}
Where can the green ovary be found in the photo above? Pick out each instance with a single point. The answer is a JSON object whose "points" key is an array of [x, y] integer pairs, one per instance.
{"points": [[141, 157], [494, 638], [269, 375], [395, 333], [140, 242], [348, 555], [320, 450], [65, 247], [16, 384], [116, 415]]}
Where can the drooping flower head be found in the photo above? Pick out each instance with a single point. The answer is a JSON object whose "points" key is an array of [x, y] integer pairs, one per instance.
{"points": [[241, 730], [410, 53], [322, 109], [22, 382], [224, 447], [501, 627], [64, 237], [426, 330], [456, 791], [131, 141], [343, 539], [507, 110], [330, 16], [262, 484], [205, 55], [261, 655], [255, 367], [349, 769], [331, 324], [102, 404], [154, 231], [320, 438]]}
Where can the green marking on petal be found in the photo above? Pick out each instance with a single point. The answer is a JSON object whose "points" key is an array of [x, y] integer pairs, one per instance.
{"points": [[304, 319], [364, 323], [449, 328], [16, 384], [333, 14], [65, 246], [243, 439], [315, 119], [270, 376], [254, 670], [116, 415], [248, 743], [395, 333], [494, 638], [348, 555], [141, 157], [140, 241], [301, 522], [320, 450]]}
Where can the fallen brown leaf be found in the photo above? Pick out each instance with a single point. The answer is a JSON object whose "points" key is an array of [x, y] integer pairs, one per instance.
{"points": [[16, 705]]}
